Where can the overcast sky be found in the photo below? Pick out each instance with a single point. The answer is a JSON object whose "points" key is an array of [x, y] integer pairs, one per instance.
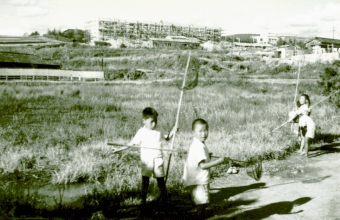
{"points": [[284, 17]]}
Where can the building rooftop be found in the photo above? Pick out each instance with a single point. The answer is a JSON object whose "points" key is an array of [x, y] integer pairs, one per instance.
{"points": [[10, 57], [252, 45], [323, 40]]}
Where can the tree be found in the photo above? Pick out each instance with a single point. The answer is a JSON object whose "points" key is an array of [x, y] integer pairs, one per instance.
{"points": [[301, 44], [54, 32], [75, 34], [330, 82], [35, 33], [281, 42]]}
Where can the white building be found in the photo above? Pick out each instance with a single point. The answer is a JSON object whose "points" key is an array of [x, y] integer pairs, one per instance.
{"points": [[265, 39], [104, 29]]}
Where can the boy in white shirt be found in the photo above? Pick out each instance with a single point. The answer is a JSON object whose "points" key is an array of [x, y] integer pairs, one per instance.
{"points": [[307, 130], [196, 173], [306, 124], [149, 136], [302, 105]]}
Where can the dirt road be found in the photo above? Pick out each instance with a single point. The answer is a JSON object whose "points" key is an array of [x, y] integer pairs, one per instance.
{"points": [[295, 188]]}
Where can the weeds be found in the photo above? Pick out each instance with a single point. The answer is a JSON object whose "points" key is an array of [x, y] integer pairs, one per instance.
{"points": [[60, 138]]}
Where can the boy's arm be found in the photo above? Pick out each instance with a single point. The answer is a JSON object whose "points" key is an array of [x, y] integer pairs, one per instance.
{"points": [[127, 146], [207, 165], [171, 133], [135, 141]]}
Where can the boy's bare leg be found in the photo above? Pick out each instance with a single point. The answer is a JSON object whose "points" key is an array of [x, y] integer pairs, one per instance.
{"points": [[307, 142], [145, 187], [161, 186], [302, 144], [201, 210]]}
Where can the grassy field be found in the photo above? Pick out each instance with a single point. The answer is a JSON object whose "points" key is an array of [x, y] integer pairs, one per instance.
{"points": [[164, 63], [57, 133]]}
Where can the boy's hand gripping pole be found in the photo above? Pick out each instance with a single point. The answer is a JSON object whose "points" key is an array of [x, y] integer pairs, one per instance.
{"points": [[177, 118]]}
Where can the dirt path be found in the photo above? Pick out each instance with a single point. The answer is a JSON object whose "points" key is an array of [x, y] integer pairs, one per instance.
{"points": [[295, 188], [140, 82]]}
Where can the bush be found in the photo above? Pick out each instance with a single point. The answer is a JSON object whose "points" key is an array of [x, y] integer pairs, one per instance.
{"points": [[281, 68], [102, 43], [330, 82], [116, 74]]}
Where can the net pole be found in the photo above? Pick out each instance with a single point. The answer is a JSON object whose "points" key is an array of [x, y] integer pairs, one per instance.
{"points": [[138, 147], [177, 118], [296, 91], [324, 99]]}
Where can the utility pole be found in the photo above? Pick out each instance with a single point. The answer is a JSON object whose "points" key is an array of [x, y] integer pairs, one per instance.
{"points": [[333, 39], [102, 60]]}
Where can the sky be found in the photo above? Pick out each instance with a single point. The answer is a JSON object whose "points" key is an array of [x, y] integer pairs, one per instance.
{"points": [[306, 18]]}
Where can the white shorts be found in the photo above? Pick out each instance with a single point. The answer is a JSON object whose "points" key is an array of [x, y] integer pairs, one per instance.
{"points": [[153, 167], [199, 193], [308, 131]]}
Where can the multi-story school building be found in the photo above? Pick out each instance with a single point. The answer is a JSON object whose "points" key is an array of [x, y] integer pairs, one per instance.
{"points": [[106, 29]]}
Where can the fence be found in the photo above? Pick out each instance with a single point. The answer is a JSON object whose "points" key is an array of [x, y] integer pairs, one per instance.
{"points": [[49, 74], [323, 57]]}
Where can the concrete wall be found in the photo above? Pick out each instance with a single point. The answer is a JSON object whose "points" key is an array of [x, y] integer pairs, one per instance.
{"points": [[285, 53], [31, 73], [323, 57]]}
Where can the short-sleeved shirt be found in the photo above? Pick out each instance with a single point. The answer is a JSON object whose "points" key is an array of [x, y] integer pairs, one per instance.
{"points": [[303, 109], [193, 174], [149, 138]]}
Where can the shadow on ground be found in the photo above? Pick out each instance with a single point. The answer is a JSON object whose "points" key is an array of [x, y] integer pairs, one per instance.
{"points": [[280, 208], [15, 202], [325, 149], [225, 193], [326, 137], [329, 144]]}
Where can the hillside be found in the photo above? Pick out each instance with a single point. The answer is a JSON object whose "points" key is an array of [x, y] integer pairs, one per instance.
{"points": [[28, 41]]}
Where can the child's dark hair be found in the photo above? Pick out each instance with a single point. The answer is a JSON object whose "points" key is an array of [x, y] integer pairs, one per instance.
{"points": [[307, 98], [150, 113], [200, 122]]}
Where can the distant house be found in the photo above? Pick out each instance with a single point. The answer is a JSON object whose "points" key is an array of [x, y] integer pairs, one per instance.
{"points": [[255, 45], [22, 60], [174, 42], [265, 39], [287, 51], [323, 45]]}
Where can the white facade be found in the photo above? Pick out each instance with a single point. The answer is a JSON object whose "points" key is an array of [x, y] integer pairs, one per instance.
{"points": [[93, 28], [265, 39], [104, 29]]}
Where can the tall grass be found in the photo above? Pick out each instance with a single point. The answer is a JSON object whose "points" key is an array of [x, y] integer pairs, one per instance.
{"points": [[58, 133]]}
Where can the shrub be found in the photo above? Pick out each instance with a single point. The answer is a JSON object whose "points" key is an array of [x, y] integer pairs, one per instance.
{"points": [[102, 43], [281, 68], [112, 74], [75, 93], [330, 81], [216, 67]]}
